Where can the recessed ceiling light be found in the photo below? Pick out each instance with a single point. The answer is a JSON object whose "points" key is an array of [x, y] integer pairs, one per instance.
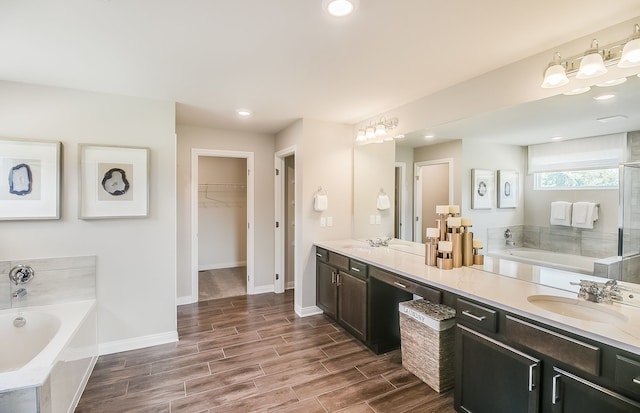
{"points": [[577, 91], [612, 82], [429, 136], [243, 112], [605, 97], [613, 118], [557, 138], [340, 8]]}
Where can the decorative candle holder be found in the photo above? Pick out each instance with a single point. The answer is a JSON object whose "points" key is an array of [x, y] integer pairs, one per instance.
{"points": [[445, 262], [477, 258], [455, 236], [467, 242], [431, 247], [441, 222]]}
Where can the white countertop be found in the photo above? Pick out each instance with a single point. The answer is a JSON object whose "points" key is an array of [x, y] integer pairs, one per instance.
{"points": [[501, 291]]}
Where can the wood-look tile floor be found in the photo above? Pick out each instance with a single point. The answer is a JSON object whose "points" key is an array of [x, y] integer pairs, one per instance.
{"points": [[253, 354]]}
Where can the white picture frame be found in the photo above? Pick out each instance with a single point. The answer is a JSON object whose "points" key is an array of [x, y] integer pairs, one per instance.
{"points": [[507, 189], [114, 182], [482, 188], [29, 179]]}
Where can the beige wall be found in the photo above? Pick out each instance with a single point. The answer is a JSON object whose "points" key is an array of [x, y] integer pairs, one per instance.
{"points": [[452, 150], [262, 145], [136, 258], [324, 157]]}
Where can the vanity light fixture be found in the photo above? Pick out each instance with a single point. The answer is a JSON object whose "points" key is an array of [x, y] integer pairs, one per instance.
{"points": [[378, 131], [340, 8], [593, 63]]}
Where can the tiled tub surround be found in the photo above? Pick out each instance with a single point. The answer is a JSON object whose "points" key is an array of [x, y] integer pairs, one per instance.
{"points": [[508, 291], [64, 290]]}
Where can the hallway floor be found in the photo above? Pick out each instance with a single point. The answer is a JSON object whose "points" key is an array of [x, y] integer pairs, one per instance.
{"points": [[253, 354]]}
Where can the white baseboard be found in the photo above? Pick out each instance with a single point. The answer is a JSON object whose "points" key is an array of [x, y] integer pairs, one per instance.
{"points": [[217, 266], [307, 311], [187, 299], [262, 289], [83, 384], [137, 342]]}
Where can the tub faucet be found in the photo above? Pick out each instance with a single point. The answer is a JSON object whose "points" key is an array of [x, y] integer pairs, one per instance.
{"points": [[20, 293], [507, 238]]}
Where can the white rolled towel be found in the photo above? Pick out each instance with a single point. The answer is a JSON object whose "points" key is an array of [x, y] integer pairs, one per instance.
{"points": [[320, 202], [383, 202]]}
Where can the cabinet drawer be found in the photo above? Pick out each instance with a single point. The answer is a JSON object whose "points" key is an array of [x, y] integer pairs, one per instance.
{"points": [[430, 294], [477, 315], [570, 351], [628, 374], [322, 254], [357, 268], [338, 260]]}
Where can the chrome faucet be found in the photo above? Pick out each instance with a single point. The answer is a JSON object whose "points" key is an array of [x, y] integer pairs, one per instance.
{"points": [[507, 238], [20, 293], [599, 292]]}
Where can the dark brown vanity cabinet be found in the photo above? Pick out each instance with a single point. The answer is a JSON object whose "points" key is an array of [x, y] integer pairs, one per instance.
{"points": [[571, 393], [341, 291], [492, 377]]}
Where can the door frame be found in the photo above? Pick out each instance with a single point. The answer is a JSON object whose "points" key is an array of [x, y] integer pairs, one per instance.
{"points": [[279, 237], [417, 192], [403, 200], [249, 156]]}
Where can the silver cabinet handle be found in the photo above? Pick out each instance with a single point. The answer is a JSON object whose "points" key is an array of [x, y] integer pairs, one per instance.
{"points": [[318, 255], [400, 285], [338, 283], [355, 269], [475, 317], [531, 371], [554, 389], [636, 380], [333, 277]]}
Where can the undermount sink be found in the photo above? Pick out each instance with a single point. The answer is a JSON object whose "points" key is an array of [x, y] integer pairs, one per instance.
{"points": [[577, 308]]}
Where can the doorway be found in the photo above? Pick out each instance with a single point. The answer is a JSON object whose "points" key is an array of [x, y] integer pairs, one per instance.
{"points": [[433, 186], [222, 224], [286, 189]]}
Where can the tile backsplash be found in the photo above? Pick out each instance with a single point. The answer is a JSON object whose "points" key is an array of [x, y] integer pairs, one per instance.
{"points": [[558, 239], [56, 280]]}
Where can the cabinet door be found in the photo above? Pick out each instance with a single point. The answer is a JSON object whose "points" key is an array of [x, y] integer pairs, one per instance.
{"points": [[492, 377], [574, 394], [352, 304], [326, 291]]}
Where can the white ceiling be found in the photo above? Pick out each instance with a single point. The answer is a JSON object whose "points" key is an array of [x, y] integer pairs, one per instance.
{"points": [[282, 59]]}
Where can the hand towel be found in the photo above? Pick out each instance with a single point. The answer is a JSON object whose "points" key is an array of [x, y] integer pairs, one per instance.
{"points": [[383, 202], [560, 213], [584, 214], [320, 202]]}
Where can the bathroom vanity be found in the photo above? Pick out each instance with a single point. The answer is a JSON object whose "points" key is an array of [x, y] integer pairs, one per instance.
{"points": [[520, 346]]}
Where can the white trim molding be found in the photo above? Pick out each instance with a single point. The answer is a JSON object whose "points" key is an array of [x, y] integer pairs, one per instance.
{"points": [[135, 343]]}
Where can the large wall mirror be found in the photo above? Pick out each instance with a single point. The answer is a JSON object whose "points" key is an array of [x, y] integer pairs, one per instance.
{"points": [[498, 141]]}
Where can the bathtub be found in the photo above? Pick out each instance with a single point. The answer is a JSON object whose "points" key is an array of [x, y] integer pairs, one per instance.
{"points": [[45, 364], [567, 262]]}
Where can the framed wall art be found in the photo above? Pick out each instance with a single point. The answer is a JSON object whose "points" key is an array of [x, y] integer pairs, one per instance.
{"points": [[507, 189], [114, 182], [29, 180], [482, 189]]}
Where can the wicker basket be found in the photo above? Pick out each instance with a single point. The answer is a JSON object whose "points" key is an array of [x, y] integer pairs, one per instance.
{"points": [[427, 341]]}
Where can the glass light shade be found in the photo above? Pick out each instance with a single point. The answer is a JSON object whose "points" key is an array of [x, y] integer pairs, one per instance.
{"points": [[381, 130], [360, 137], [555, 76], [370, 133], [591, 66], [630, 54], [340, 8]]}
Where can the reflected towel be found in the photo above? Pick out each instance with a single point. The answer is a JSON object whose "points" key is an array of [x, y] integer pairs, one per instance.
{"points": [[560, 213], [383, 202], [320, 202], [584, 214]]}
